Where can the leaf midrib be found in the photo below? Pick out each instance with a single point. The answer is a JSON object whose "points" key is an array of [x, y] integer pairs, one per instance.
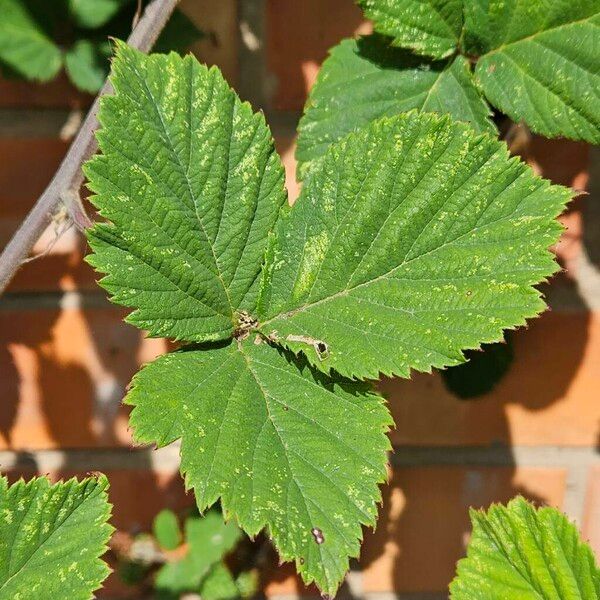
{"points": [[187, 182], [346, 291], [538, 33]]}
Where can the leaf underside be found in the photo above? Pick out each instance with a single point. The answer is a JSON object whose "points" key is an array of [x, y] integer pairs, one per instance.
{"points": [[261, 431], [412, 240], [429, 27], [190, 183], [539, 62], [24, 46], [365, 79], [520, 552], [51, 538]]}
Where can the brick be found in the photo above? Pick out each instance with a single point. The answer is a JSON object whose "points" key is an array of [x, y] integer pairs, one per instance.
{"points": [[424, 524], [562, 161], [63, 374], [590, 528], [217, 18], [549, 396], [286, 147], [59, 93], [299, 34], [27, 166]]}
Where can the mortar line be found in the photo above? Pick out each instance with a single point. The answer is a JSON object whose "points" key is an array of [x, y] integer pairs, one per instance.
{"points": [[567, 457]]}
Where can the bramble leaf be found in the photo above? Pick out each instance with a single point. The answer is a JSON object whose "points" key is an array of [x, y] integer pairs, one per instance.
{"points": [[365, 79], [281, 445], [52, 537], [166, 529], [95, 13], [539, 62], [86, 63], [520, 552], [219, 584], [191, 185], [208, 539], [412, 240], [429, 27], [24, 46]]}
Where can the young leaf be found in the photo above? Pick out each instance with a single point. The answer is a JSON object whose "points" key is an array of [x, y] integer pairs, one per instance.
{"points": [[86, 63], [190, 184], [24, 46], [365, 79], [520, 552], [95, 13], [429, 27], [51, 538], [413, 239], [281, 445], [209, 540], [166, 529], [539, 62], [219, 584]]}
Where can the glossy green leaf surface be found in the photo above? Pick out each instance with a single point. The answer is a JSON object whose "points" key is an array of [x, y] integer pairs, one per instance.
{"points": [[261, 431], [521, 553], [191, 185], [429, 27], [413, 239], [52, 537], [539, 62], [365, 79], [24, 46]]}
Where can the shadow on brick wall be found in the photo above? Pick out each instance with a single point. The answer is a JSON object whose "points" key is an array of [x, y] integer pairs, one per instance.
{"points": [[64, 367]]}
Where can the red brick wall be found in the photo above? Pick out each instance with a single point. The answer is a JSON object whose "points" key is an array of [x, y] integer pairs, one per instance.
{"points": [[66, 356]]}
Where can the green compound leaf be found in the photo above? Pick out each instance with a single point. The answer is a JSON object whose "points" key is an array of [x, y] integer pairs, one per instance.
{"points": [[191, 185], [166, 529], [526, 554], [539, 62], [24, 46], [429, 27], [86, 63], [365, 79], [209, 539], [281, 445], [413, 239], [51, 538]]}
